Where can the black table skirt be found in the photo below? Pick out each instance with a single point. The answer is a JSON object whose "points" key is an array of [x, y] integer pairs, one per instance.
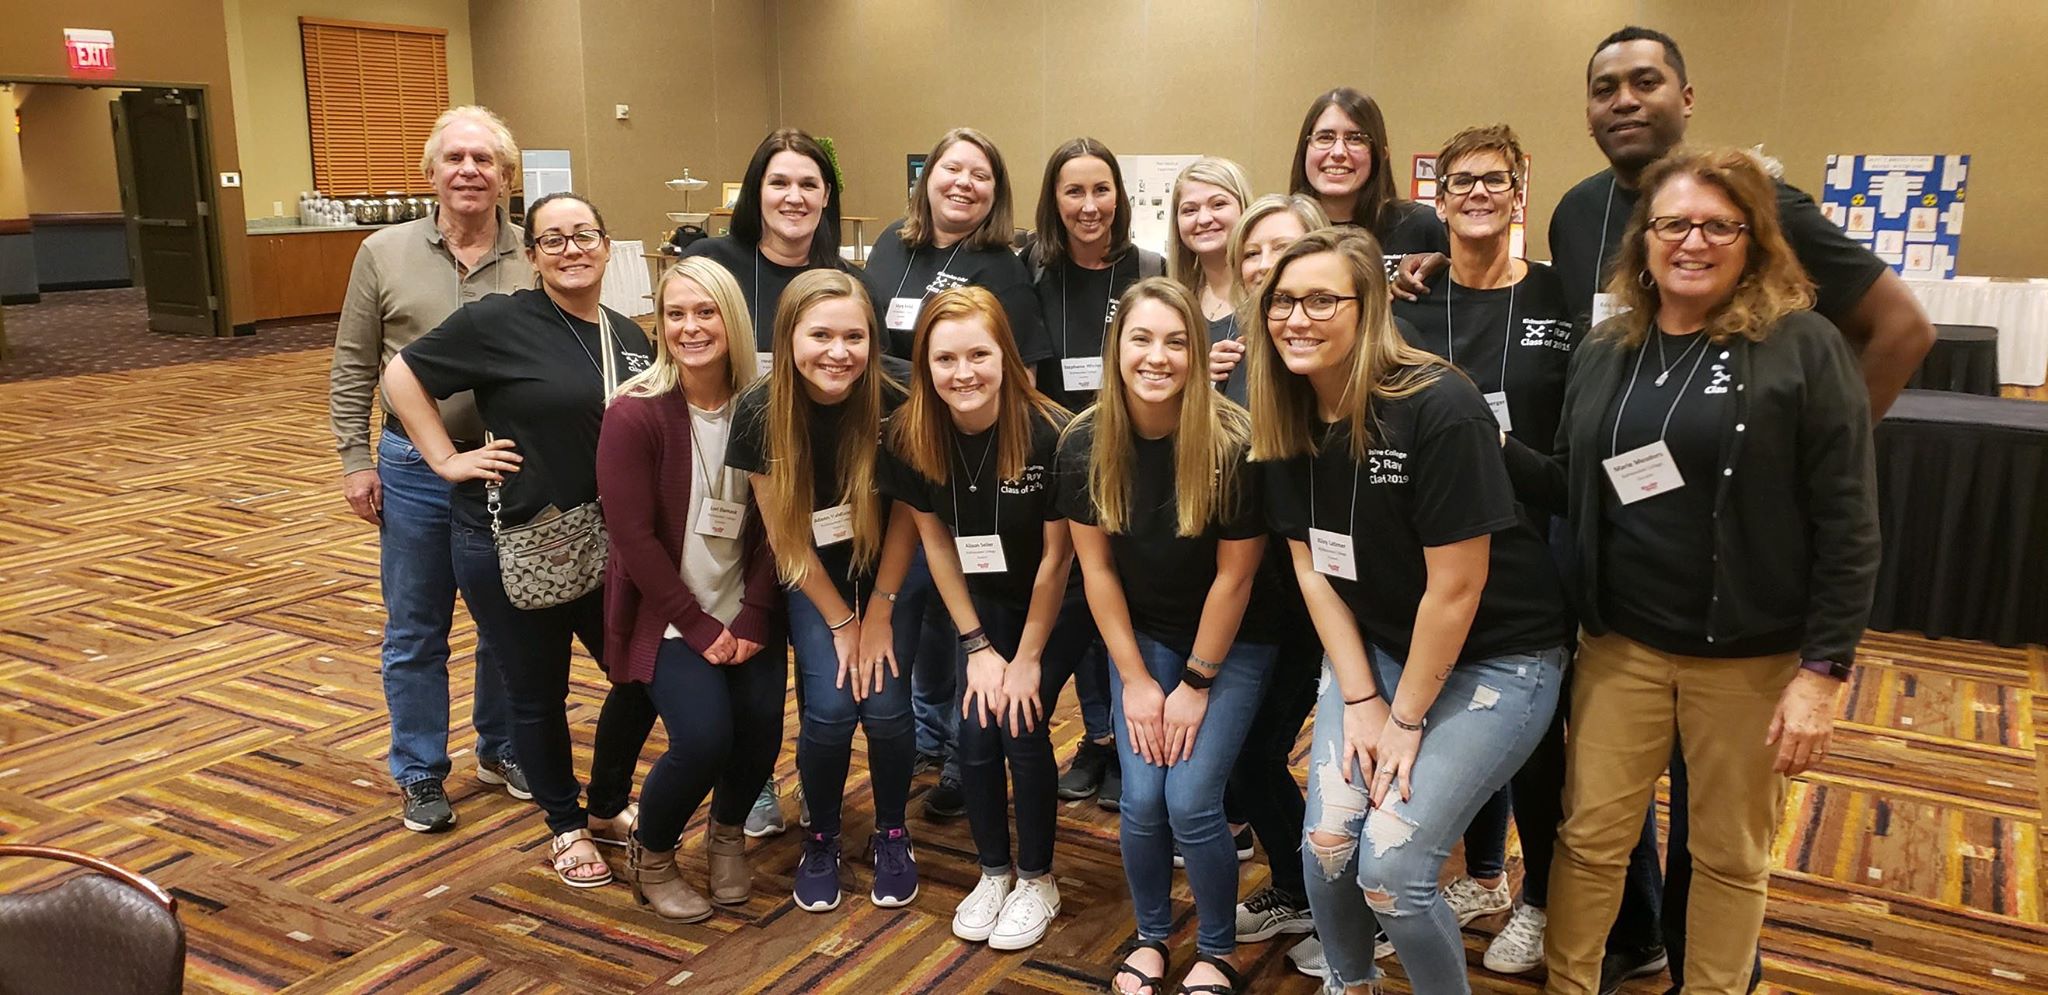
{"points": [[1964, 359], [1962, 487]]}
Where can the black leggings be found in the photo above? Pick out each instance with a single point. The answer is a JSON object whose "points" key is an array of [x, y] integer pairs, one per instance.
{"points": [[724, 727], [1262, 790]]}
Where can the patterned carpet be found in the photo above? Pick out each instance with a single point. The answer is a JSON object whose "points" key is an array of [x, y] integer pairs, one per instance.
{"points": [[102, 331], [189, 625]]}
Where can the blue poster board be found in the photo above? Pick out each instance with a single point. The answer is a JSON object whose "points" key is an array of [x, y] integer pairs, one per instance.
{"points": [[1906, 208]]}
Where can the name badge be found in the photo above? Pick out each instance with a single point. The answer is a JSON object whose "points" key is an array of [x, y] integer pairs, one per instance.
{"points": [[722, 519], [1606, 306], [834, 524], [980, 554], [1331, 553], [1643, 472], [1498, 401], [902, 316], [1084, 373], [763, 363]]}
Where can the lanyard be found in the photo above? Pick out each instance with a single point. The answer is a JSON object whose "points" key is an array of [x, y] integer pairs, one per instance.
{"points": [[703, 475], [604, 331], [1600, 256], [974, 482], [1351, 522], [908, 266], [1614, 440], [1507, 336], [1066, 349]]}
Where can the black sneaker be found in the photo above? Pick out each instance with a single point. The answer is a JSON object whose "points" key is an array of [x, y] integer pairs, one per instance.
{"points": [[926, 763], [1112, 791], [945, 800], [1091, 763], [426, 807], [1621, 966], [505, 771]]}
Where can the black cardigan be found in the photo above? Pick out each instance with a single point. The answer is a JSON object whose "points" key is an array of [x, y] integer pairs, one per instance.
{"points": [[1795, 508]]}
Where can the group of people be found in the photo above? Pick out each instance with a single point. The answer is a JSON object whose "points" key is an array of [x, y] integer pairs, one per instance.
{"points": [[1519, 537]]}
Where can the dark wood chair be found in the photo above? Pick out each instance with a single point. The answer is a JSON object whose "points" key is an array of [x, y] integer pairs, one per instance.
{"points": [[111, 931]]}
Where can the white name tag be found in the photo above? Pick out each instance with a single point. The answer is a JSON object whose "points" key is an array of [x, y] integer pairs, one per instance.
{"points": [[722, 519], [1084, 373], [834, 524], [980, 554], [1643, 472], [1498, 401], [1331, 554], [763, 363], [1606, 306], [902, 316]]}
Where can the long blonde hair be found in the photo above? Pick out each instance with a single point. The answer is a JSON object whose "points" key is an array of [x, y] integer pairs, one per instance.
{"points": [[1209, 439], [921, 434], [1383, 364], [788, 485], [666, 374], [1306, 210], [1773, 283], [1181, 263]]}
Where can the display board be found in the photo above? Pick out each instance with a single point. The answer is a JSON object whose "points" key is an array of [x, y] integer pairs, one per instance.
{"points": [[1422, 188], [1148, 182], [1906, 208]]}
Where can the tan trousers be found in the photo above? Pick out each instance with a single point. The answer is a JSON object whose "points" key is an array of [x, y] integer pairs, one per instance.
{"points": [[1627, 702]]}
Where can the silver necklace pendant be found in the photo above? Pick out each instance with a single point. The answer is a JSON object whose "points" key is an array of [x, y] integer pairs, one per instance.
{"points": [[973, 488], [1661, 377]]}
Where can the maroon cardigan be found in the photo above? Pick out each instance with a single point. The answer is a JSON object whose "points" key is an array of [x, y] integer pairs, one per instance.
{"points": [[644, 479]]}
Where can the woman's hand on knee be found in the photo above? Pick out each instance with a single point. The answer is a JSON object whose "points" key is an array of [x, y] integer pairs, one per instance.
{"points": [[1185, 709], [1145, 717], [1804, 724]]}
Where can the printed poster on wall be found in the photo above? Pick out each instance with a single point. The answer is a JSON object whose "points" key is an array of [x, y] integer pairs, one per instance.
{"points": [[1423, 190], [1906, 208], [1148, 182]]}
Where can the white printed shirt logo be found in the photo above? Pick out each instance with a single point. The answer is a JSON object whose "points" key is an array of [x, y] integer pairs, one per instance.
{"points": [[944, 281], [1551, 332], [1031, 482], [636, 362], [1718, 379], [1386, 466], [1109, 316]]}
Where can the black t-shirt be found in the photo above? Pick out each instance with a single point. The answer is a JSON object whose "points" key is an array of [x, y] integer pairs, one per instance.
{"points": [[761, 280], [895, 271], [1233, 388], [1587, 227], [747, 450], [536, 372], [1078, 304], [1525, 353], [1433, 476], [975, 501], [1166, 576], [1411, 226], [1657, 555]]}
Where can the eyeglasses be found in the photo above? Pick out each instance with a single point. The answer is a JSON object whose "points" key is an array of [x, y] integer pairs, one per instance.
{"points": [[1718, 231], [1498, 181], [555, 243], [1324, 141], [1319, 306]]}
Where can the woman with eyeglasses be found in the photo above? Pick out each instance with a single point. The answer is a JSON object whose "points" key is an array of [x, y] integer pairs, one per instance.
{"points": [[542, 363], [1343, 159], [1265, 229], [1714, 459], [1442, 620]]}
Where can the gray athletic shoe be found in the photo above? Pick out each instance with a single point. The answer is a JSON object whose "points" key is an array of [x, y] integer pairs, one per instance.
{"points": [[505, 771], [766, 818], [426, 807]]}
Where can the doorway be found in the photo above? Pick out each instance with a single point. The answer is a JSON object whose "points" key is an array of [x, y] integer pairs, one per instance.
{"points": [[160, 151]]}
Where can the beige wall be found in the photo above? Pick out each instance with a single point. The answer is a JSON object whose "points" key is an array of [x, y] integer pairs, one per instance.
{"points": [[67, 150], [270, 82], [13, 178], [1232, 77]]}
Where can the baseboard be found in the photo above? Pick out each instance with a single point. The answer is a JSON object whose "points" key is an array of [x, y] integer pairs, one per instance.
{"points": [[21, 298], [58, 288], [245, 328]]}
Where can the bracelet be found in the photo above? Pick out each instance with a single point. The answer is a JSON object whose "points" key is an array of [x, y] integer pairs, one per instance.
{"points": [[1209, 667], [1417, 727], [976, 643], [1363, 700], [1196, 679], [973, 634], [889, 596], [843, 623]]}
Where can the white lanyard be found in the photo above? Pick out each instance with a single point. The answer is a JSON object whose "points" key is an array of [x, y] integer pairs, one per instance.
{"points": [[908, 266], [1507, 339], [1614, 439], [978, 554], [1600, 255], [703, 475], [1332, 554], [1066, 347]]}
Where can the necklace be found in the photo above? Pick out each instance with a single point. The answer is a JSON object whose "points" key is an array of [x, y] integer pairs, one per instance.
{"points": [[973, 482], [1698, 338]]}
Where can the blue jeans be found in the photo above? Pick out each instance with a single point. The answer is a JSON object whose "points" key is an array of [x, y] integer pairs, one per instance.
{"points": [[416, 566], [1187, 797], [1484, 722], [724, 725], [934, 694], [828, 714]]}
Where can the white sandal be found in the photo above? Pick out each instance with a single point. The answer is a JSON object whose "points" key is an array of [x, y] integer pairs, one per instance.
{"points": [[564, 862], [630, 815]]}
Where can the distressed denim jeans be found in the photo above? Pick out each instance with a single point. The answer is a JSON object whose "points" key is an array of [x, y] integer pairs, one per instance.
{"points": [[1484, 723]]}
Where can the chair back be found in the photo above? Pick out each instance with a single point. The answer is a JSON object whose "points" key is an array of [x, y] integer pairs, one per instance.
{"points": [[112, 932]]}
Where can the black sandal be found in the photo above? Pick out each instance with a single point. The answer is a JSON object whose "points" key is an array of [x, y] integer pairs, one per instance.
{"points": [[1147, 984], [1230, 975]]}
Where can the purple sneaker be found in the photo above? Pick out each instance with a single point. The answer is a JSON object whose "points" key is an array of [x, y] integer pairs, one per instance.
{"points": [[895, 869], [817, 874]]}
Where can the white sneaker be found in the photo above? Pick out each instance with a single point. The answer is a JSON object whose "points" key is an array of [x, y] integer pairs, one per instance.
{"points": [[1470, 900], [1307, 957], [975, 917], [1519, 947], [1027, 913]]}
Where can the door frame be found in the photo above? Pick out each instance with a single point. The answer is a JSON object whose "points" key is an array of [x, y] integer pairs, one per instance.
{"points": [[209, 192]]}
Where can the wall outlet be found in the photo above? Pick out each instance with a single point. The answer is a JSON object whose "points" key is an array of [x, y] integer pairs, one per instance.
{"points": [[230, 179], [277, 208], [620, 111]]}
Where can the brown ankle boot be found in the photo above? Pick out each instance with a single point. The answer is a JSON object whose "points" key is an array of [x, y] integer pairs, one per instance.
{"points": [[732, 880], [658, 884]]}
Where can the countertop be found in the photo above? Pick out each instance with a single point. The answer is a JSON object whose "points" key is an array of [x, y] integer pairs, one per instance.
{"points": [[259, 228]]}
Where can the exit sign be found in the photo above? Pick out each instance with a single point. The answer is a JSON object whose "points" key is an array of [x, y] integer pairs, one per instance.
{"points": [[89, 50]]}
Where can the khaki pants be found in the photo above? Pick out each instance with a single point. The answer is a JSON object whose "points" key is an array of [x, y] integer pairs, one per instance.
{"points": [[1628, 700]]}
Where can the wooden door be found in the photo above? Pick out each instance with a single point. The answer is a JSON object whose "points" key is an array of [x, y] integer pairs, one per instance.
{"points": [[172, 218]]}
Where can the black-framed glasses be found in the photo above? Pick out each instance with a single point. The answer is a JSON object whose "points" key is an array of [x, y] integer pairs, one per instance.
{"points": [[1497, 181], [556, 243], [1325, 140], [1717, 231], [1318, 306]]}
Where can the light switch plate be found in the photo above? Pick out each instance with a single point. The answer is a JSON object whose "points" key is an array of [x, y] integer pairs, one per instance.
{"points": [[620, 111], [230, 179]]}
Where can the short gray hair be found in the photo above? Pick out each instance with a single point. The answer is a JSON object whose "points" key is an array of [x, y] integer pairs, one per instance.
{"points": [[503, 147]]}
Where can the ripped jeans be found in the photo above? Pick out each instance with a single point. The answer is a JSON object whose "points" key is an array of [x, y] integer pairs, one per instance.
{"points": [[1488, 718]]}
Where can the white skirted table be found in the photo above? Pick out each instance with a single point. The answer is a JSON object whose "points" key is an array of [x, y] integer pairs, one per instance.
{"points": [[2017, 308], [627, 288]]}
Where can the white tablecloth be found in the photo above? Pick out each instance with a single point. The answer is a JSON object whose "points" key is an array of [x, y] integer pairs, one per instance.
{"points": [[2018, 309], [626, 287]]}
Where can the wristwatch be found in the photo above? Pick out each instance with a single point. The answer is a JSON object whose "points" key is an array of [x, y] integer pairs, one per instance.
{"points": [[1196, 679], [1827, 668]]}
